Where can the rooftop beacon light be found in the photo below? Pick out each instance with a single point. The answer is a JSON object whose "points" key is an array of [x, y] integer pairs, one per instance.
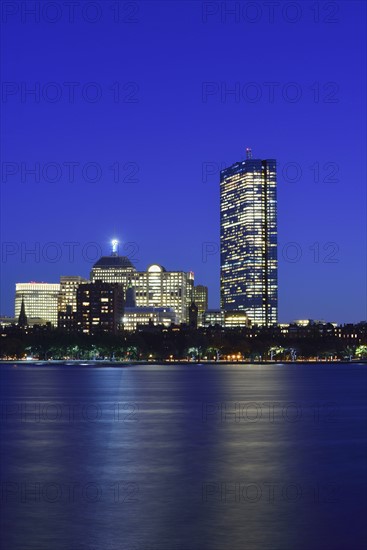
{"points": [[115, 247]]}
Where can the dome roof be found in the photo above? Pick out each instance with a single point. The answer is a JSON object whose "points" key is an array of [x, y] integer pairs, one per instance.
{"points": [[155, 268], [114, 261]]}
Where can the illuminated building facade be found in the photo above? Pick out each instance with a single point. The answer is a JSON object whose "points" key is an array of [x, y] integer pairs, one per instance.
{"points": [[135, 316], [226, 319], [113, 269], [248, 239], [213, 317], [200, 298], [100, 307], [67, 320], [40, 300], [68, 288], [235, 319], [155, 287]]}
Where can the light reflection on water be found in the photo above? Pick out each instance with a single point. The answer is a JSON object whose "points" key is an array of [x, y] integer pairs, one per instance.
{"points": [[183, 457]]}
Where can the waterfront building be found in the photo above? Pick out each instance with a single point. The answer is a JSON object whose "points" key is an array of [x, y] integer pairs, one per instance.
{"points": [[200, 298], [113, 269], [40, 300], [68, 288], [100, 307], [6, 321], [138, 317], [225, 319], [193, 315], [213, 317], [156, 287], [248, 239], [236, 319], [67, 320]]}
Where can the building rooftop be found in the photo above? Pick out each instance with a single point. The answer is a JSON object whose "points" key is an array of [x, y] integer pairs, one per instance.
{"points": [[114, 261], [149, 309]]}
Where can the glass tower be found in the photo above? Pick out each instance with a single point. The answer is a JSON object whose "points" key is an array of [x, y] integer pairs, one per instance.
{"points": [[248, 239]]}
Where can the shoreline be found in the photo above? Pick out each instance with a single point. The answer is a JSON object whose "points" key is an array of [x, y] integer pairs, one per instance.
{"points": [[106, 362]]}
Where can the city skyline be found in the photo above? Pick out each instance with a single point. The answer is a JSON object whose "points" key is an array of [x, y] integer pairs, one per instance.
{"points": [[248, 231], [99, 272], [248, 196], [183, 183], [73, 177], [50, 253]]}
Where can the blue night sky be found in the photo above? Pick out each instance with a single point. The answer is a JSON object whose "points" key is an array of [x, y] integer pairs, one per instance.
{"points": [[164, 114]]}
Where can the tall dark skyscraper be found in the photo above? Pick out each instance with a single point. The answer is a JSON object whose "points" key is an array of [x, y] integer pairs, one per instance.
{"points": [[248, 239]]}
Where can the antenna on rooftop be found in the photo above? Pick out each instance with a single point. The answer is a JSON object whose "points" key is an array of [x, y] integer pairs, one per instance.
{"points": [[115, 247], [248, 153]]}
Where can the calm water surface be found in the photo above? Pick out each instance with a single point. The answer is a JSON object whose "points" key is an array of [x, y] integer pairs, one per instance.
{"points": [[183, 457]]}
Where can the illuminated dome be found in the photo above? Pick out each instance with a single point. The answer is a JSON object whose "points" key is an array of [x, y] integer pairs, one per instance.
{"points": [[155, 268]]}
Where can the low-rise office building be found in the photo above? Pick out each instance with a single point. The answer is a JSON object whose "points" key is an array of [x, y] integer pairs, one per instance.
{"points": [[40, 300], [226, 319], [136, 317]]}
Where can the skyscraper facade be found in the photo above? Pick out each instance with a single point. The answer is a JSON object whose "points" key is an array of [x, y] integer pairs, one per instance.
{"points": [[248, 239]]}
